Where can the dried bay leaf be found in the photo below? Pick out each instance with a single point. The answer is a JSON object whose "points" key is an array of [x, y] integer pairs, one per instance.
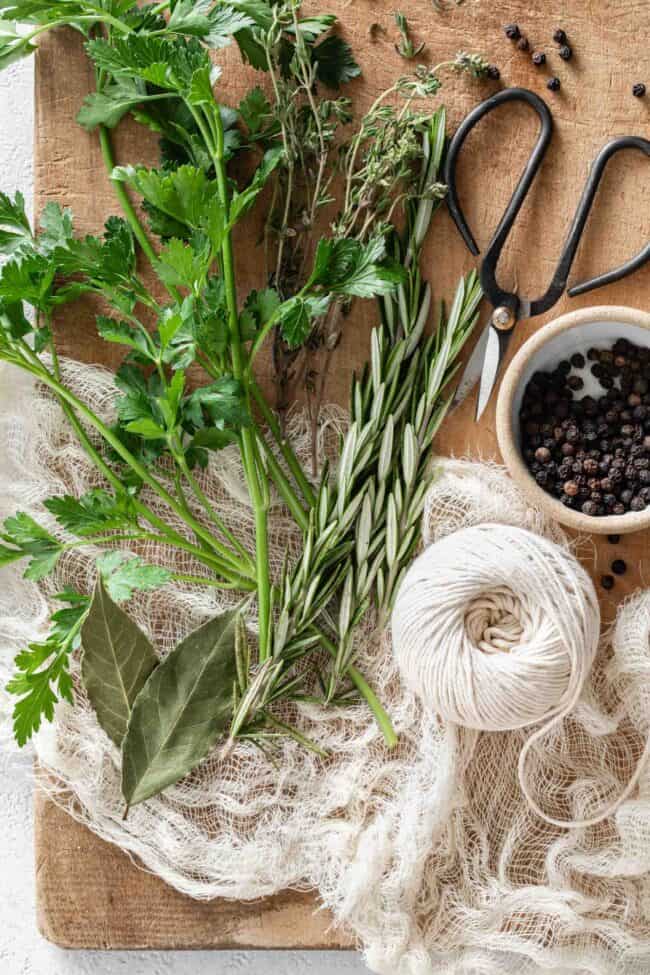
{"points": [[117, 660], [181, 711]]}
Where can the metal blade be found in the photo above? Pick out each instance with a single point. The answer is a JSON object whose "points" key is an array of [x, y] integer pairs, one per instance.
{"points": [[497, 343], [472, 370]]}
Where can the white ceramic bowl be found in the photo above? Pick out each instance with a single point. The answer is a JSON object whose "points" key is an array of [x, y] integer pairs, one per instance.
{"points": [[574, 332]]}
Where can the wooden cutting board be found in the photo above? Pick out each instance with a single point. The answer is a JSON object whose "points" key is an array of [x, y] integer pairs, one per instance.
{"points": [[91, 895]]}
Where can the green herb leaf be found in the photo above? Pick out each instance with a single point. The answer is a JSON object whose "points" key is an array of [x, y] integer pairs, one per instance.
{"points": [[168, 63], [120, 332], [242, 202], [123, 575], [335, 62], [13, 47], [116, 662], [33, 541], [181, 711], [349, 267], [224, 402], [109, 106], [259, 308], [14, 225], [297, 314], [55, 227], [42, 676], [255, 110], [184, 265], [94, 512]]}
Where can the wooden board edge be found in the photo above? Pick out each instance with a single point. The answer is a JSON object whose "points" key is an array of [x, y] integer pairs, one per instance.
{"points": [[82, 883]]}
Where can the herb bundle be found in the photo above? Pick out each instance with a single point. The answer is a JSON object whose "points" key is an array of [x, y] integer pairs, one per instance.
{"points": [[359, 523]]}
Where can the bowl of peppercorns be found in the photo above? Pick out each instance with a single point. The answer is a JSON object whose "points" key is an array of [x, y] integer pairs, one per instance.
{"points": [[573, 419]]}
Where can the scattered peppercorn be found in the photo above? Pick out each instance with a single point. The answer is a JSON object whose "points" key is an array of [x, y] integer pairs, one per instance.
{"points": [[566, 52], [619, 567], [512, 32], [560, 36], [607, 582], [493, 72], [638, 90], [613, 539], [553, 84], [539, 58]]}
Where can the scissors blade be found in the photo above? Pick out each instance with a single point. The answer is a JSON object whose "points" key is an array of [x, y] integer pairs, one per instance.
{"points": [[472, 371], [497, 344]]}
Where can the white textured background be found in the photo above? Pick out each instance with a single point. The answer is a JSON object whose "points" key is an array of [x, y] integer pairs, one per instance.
{"points": [[22, 950]]}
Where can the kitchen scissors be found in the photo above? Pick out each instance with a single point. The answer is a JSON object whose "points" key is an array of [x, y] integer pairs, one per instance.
{"points": [[507, 306]]}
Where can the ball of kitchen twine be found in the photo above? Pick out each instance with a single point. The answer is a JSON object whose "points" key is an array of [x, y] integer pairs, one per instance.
{"points": [[496, 628]]}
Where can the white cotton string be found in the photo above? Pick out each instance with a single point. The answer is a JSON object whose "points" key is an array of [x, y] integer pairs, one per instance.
{"points": [[496, 628]]}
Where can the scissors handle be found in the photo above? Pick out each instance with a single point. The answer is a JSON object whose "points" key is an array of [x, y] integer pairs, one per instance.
{"points": [[495, 294], [500, 299], [582, 212]]}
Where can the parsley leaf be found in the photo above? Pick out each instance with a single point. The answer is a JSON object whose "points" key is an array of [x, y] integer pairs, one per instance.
{"points": [[43, 676], [184, 265], [96, 511], [224, 402], [29, 539], [120, 332], [255, 111], [185, 195], [259, 307], [13, 46], [349, 267], [108, 106], [124, 574], [335, 62], [14, 225], [296, 317], [242, 202]]}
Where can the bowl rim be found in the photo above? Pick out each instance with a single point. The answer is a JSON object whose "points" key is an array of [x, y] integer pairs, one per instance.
{"points": [[597, 524]]}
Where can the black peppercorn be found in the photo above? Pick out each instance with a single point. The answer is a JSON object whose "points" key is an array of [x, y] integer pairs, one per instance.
{"points": [[566, 52], [590, 508], [613, 539], [619, 567], [575, 382], [553, 84], [512, 32], [559, 36], [578, 360], [638, 90], [607, 582], [493, 72], [538, 58]]}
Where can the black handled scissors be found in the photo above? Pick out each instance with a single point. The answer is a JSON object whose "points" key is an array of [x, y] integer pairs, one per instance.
{"points": [[508, 307]]}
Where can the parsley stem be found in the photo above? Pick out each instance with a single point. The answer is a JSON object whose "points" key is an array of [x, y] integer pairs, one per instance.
{"points": [[145, 476], [246, 585], [209, 510], [122, 196], [285, 490], [257, 494], [285, 447]]}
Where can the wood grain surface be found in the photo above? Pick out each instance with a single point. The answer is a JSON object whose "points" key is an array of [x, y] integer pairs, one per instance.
{"points": [[91, 895]]}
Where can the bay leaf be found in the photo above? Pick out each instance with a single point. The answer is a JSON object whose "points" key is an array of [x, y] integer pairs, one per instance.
{"points": [[117, 660], [181, 710]]}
